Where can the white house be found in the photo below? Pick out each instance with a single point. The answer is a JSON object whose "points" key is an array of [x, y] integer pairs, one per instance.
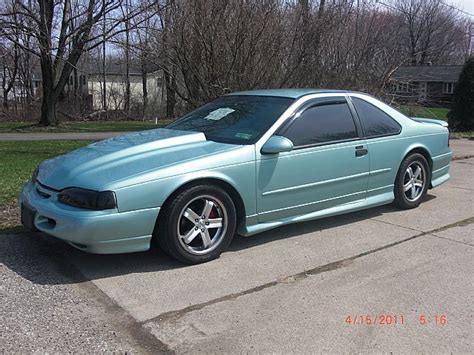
{"points": [[85, 85], [115, 87]]}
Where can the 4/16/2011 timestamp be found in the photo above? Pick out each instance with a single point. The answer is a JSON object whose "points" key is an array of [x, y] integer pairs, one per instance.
{"points": [[395, 319]]}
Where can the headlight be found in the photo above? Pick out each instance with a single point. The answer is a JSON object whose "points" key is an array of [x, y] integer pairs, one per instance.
{"points": [[34, 176], [84, 198]]}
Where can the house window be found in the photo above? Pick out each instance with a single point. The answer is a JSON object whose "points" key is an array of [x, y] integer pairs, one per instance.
{"points": [[448, 88], [403, 87]]}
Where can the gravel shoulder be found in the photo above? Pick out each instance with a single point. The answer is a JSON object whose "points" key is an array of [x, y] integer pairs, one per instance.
{"points": [[48, 307]]}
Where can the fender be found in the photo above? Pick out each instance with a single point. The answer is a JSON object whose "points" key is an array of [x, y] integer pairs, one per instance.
{"points": [[419, 146], [155, 193]]}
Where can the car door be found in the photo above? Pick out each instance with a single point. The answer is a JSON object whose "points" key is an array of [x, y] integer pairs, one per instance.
{"points": [[381, 133], [328, 165]]}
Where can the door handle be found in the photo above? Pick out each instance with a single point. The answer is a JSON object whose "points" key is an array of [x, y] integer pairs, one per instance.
{"points": [[361, 151]]}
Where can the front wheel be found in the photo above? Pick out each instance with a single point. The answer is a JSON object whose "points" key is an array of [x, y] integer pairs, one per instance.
{"points": [[197, 225], [412, 181]]}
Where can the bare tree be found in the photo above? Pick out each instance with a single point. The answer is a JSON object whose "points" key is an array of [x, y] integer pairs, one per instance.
{"points": [[10, 57], [62, 33], [207, 48], [429, 29]]}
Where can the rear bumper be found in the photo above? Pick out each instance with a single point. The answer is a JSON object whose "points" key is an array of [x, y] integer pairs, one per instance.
{"points": [[101, 232], [440, 173]]}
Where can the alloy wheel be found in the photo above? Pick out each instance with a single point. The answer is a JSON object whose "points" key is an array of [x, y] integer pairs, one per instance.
{"points": [[414, 181], [202, 224]]}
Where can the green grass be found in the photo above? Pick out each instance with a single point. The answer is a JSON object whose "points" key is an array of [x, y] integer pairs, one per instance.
{"points": [[19, 159], [466, 134], [89, 126], [439, 113]]}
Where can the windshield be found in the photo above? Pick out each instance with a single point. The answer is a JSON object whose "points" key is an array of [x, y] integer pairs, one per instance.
{"points": [[234, 119]]}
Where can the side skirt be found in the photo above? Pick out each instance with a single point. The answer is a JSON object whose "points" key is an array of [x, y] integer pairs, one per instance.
{"points": [[374, 201]]}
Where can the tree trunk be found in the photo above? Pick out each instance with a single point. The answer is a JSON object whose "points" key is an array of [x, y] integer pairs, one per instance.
{"points": [[76, 98], [5, 99], [145, 89], [48, 110], [170, 83], [4, 83], [127, 62], [104, 75], [48, 102], [127, 78]]}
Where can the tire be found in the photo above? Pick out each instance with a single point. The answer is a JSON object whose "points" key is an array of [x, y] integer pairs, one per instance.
{"points": [[412, 182], [185, 235]]}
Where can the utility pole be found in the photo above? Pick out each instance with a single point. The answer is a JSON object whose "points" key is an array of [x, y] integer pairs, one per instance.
{"points": [[104, 90]]}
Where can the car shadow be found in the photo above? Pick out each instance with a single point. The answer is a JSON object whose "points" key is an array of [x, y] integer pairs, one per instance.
{"points": [[44, 260]]}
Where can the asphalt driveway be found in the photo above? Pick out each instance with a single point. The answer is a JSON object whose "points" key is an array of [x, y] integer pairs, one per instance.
{"points": [[308, 287]]}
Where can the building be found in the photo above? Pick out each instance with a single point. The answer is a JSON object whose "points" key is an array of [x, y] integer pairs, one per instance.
{"points": [[115, 86], [430, 85], [83, 93]]}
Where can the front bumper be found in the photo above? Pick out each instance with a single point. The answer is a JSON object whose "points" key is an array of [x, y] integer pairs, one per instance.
{"points": [[100, 232]]}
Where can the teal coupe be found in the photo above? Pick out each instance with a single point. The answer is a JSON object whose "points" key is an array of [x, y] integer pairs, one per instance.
{"points": [[244, 163]]}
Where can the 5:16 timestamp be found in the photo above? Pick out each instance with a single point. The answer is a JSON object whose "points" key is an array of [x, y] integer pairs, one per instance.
{"points": [[392, 319]]}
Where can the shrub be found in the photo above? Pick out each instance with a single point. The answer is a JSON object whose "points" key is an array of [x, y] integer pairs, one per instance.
{"points": [[461, 116]]}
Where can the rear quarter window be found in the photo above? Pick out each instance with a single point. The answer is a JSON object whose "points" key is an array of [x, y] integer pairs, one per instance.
{"points": [[376, 122]]}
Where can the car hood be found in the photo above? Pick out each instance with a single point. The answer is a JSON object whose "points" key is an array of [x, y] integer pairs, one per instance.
{"points": [[116, 159]]}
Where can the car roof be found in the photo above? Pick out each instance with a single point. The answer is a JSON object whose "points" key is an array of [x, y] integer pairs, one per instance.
{"points": [[290, 93]]}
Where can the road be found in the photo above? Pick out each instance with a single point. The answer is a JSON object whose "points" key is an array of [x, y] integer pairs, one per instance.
{"points": [[287, 290]]}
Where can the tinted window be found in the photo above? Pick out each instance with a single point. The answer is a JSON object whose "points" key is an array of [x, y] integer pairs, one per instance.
{"points": [[375, 121], [239, 119], [319, 124]]}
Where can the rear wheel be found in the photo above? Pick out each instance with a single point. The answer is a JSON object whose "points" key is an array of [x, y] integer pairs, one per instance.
{"points": [[412, 181], [197, 225]]}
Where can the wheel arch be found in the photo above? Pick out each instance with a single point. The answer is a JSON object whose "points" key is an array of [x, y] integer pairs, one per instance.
{"points": [[221, 182], [420, 149], [423, 150]]}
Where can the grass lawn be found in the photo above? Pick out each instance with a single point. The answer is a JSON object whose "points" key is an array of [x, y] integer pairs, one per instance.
{"points": [[425, 112], [19, 159], [465, 134], [86, 126]]}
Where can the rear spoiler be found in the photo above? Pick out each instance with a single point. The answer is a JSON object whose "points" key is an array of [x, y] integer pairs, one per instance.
{"points": [[430, 120]]}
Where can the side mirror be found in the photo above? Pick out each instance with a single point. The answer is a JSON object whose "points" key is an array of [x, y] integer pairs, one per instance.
{"points": [[277, 144]]}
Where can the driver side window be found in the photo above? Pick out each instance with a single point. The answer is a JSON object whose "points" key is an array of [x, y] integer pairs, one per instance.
{"points": [[323, 123]]}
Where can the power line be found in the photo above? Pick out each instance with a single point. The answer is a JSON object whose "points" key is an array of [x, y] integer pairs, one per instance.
{"points": [[456, 8], [440, 1], [386, 5]]}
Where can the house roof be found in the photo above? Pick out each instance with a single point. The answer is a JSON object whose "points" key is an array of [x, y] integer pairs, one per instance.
{"points": [[118, 68], [291, 93], [436, 73], [111, 68]]}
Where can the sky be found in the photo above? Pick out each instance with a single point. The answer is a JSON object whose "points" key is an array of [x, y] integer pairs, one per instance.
{"points": [[466, 5]]}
